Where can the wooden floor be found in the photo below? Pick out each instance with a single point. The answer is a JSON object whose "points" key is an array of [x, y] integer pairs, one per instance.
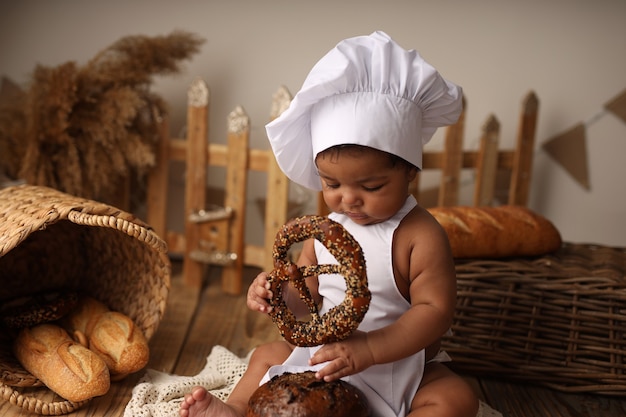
{"points": [[196, 320]]}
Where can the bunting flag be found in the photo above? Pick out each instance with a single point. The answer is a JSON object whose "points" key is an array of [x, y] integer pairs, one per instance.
{"points": [[569, 149], [617, 105]]}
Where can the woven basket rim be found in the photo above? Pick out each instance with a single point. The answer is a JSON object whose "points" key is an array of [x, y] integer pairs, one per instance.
{"points": [[60, 206]]}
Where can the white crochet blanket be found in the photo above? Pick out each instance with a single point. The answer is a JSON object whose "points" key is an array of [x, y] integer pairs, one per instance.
{"points": [[159, 394]]}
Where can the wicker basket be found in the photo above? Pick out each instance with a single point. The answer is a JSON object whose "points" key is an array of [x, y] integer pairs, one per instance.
{"points": [[558, 320], [50, 241]]}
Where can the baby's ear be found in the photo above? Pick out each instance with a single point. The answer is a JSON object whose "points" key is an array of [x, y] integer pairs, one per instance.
{"points": [[411, 172]]}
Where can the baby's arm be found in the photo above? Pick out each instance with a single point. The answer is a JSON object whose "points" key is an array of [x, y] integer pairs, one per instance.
{"points": [[432, 292]]}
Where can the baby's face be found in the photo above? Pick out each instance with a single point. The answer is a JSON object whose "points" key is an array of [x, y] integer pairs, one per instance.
{"points": [[364, 185]]}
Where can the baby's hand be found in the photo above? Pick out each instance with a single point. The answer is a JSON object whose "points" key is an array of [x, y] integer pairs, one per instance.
{"points": [[344, 358], [258, 294]]}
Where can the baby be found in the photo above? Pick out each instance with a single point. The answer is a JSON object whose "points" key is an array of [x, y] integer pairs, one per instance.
{"points": [[356, 131]]}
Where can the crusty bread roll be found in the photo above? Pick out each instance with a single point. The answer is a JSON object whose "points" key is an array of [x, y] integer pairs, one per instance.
{"points": [[497, 232], [110, 334], [66, 367]]}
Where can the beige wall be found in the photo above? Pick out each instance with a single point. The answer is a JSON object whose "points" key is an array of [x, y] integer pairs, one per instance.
{"points": [[571, 53]]}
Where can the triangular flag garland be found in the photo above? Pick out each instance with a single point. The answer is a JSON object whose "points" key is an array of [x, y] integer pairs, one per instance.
{"points": [[617, 105], [569, 149]]}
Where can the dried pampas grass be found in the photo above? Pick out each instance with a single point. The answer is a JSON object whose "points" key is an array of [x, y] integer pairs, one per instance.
{"points": [[82, 130], [12, 122]]}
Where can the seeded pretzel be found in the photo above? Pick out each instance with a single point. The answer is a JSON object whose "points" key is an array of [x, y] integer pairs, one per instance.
{"points": [[340, 321]]}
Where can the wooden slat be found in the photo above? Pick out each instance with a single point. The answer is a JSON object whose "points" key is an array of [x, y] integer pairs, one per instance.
{"points": [[214, 236], [177, 149], [432, 160], [256, 255], [175, 241], [157, 182], [275, 209], [322, 208], [487, 164], [505, 159], [258, 159], [196, 175], [277, 195], [523, 157], [236, 191], [451, 167]]}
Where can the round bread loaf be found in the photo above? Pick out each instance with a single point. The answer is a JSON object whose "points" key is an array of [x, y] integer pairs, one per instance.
{"points": [[303, 395]]}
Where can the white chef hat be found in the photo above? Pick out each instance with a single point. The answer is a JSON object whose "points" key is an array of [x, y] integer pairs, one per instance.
{"points": [[367, 91]]}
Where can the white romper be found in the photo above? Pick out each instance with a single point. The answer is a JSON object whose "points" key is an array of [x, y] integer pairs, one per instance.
{"points": [[390, 387]]}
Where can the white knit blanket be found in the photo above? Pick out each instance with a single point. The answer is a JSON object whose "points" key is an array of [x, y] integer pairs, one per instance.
{"points": [[159, 394]]}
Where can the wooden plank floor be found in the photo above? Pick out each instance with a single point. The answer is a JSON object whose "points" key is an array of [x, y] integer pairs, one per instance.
{"points": [[197, 320]]}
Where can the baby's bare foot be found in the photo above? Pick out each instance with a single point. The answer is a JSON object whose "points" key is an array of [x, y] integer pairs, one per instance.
{"points": [[200, 403]]}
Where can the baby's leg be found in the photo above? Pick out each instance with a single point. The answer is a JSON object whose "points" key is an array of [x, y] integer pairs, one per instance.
{"points": [[443, 393], [263, 357], [201, 403]]}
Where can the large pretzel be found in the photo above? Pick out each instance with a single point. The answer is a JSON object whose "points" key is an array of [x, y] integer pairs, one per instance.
{"points": [[340, 321]]}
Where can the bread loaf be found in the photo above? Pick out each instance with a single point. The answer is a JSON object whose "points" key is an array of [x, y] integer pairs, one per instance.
{"points": [[66, 367], [110, 334], [303, 395], [497, 232]]}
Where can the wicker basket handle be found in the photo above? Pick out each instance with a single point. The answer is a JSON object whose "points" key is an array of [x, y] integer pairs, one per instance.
{"points": [[34, 405]]}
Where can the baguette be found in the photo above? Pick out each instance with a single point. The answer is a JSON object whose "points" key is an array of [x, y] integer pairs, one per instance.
{"points": [[110, 334], [66, 367], [497, 232]]}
